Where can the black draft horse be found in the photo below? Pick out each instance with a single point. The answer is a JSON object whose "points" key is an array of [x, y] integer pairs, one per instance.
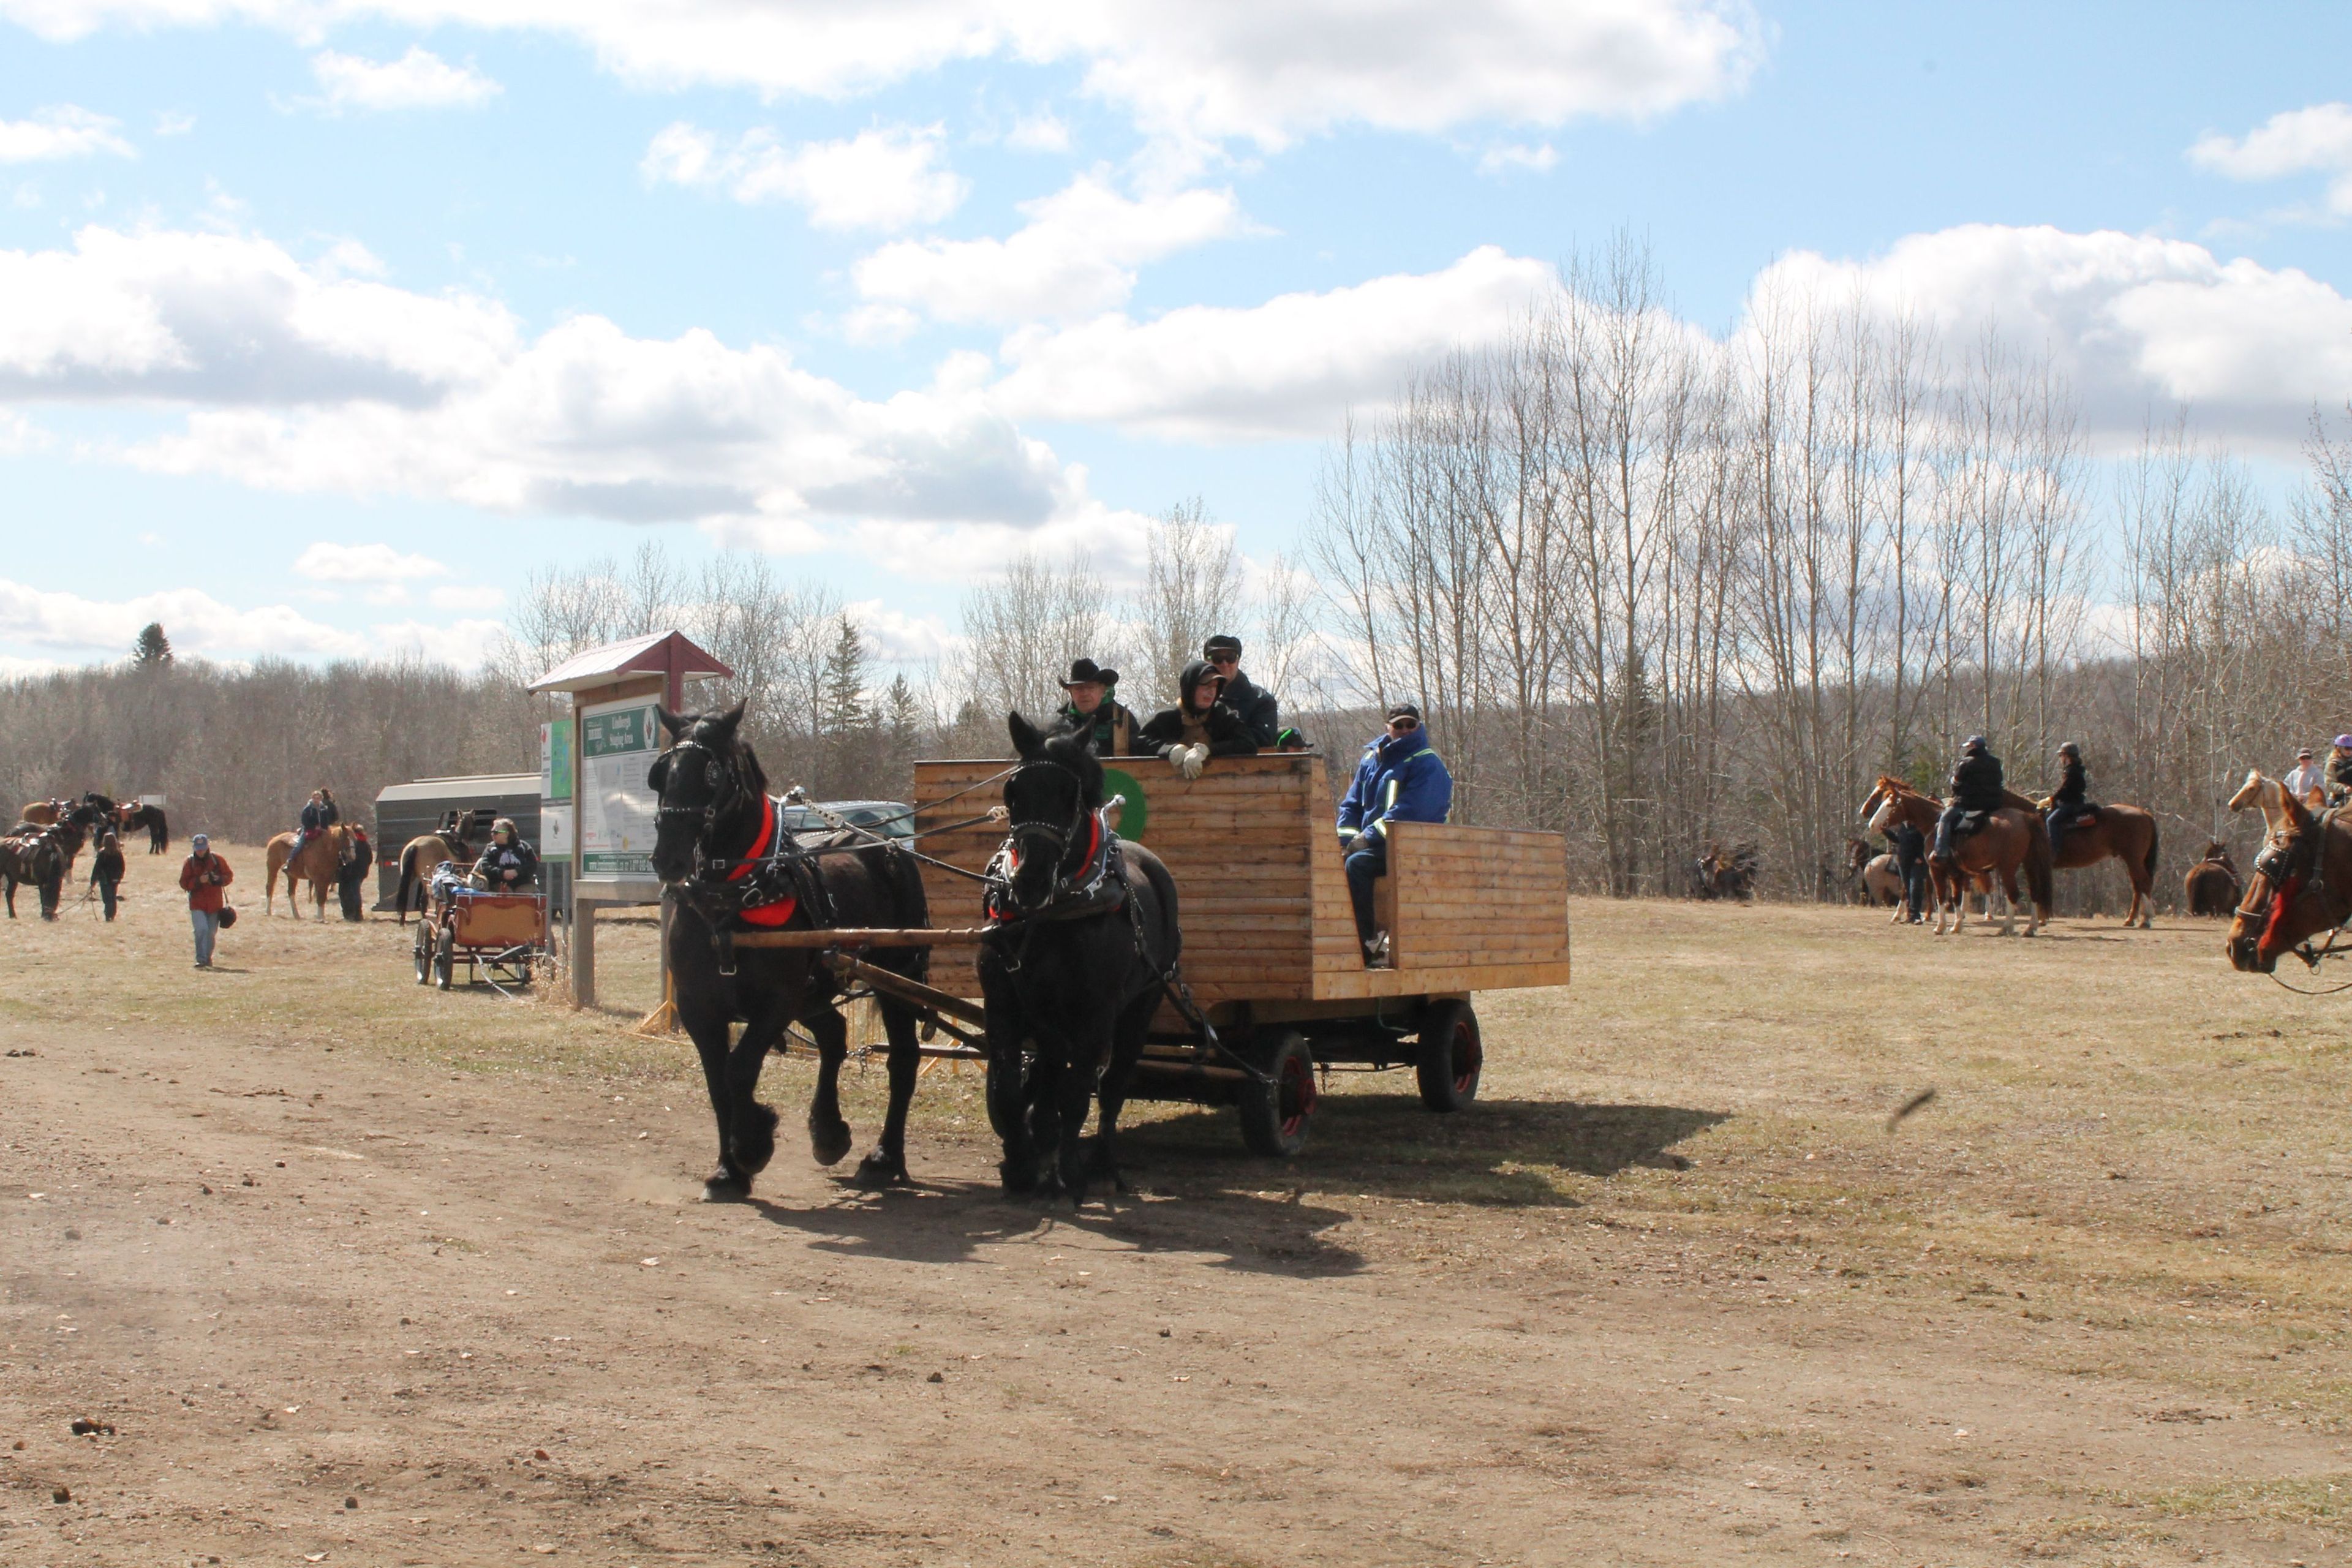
{"points": [[715, 844], [1083, 938]]}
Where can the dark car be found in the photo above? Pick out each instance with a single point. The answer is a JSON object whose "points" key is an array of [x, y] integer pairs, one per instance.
{"points": [[894, 819]]}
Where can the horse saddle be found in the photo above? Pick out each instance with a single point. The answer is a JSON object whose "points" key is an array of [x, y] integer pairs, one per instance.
{"points": [[1970, 823], [2088, 816]]}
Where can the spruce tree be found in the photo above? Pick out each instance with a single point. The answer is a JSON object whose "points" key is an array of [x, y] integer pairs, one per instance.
{"points": [[153, 647]]}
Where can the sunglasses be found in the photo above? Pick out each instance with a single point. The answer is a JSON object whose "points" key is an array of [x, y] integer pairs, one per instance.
{"points": [[1404, 726], [1224, 658]]}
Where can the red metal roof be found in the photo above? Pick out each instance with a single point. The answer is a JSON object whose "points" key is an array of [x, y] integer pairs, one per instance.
{"points": [[656, 653]]}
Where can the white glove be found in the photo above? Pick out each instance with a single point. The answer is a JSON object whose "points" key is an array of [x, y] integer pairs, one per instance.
{"points": [[1195, 761]]}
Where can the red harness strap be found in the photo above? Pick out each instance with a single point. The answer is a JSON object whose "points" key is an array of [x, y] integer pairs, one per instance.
{"points": [[2281, 897], [779, 911]]}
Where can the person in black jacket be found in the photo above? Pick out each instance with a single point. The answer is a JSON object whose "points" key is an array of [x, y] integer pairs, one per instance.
{"points": [[106, 871], [1094, 708], [508, 865], [353, 873], [1976, 786], [2071, 801], [1252, 703], [1911, 859], [1199, 727]]}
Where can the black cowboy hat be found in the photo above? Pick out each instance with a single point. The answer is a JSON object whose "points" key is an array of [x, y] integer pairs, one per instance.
{"points": [[1224, 642], [1085, 670]]}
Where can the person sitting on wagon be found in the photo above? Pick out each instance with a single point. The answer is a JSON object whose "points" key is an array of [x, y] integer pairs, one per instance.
{"points": [[1092, 707], [508, 865], [2339, 771], [2305, 781], [2071, 801], [1401, 779], [1200, 726], [1253, 703], [1976, 786]]}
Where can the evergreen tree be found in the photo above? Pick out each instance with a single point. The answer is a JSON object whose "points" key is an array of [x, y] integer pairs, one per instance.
{"points": [[153, 647], [844, 711]]}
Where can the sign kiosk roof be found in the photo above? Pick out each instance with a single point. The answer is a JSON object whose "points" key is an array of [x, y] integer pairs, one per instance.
{"points": [[668, 653]]}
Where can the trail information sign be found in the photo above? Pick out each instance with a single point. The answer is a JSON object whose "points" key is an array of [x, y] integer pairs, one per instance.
{"points": [[618, 743]]}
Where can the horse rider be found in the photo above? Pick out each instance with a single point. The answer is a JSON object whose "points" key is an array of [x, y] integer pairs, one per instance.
{"points": [[2305, 781], [1092, 707], [1976, 786], [1255, 705], [354, 871], [105, 871], [2071, 801], [318, 815], [1401, 779], [2339, 771], [1200, 725], [508, 865]]}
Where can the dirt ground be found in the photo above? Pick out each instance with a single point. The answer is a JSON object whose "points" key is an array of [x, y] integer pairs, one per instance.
{"points": [[355, 1272]]}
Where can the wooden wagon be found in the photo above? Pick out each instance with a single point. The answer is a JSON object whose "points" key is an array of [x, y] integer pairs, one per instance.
{"points": [[1270, 946], [497, 936]]}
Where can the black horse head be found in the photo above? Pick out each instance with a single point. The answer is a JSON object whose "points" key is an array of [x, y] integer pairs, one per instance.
{"points": [[709, 785], [1048, 798]]}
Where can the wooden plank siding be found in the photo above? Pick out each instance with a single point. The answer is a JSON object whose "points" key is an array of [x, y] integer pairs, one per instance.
{"points": [[1262, 896]]}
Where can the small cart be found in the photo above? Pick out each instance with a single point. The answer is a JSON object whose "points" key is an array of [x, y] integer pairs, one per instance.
{"points": [[497, 936]]}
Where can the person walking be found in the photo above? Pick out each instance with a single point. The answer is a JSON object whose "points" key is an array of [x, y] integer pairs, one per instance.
{"points": [[106, 871], [1911, 859], [203, 874], [353, 873]]}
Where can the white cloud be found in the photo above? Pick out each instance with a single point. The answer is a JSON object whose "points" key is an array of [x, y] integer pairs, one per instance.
{"points": [[872, 325], [2129, 319], [1076, 255], [2317, 139], [1210, 70], [63, 131], [13, 668], [889, 177], [417, 79], [464, 644], [899, 637], [197, 623], [170, 122], [1289, 367], [326, 561], [1504, 157], [1042, 131]]}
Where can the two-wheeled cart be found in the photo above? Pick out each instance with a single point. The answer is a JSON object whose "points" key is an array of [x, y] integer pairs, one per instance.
{"points": [[497, 937]]}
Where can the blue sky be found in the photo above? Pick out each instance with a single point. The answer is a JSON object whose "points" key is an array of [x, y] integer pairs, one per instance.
{"points": [[330, 322]]}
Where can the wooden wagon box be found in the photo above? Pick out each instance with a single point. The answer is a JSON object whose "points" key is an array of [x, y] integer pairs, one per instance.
{"points": [[1257, 857]]}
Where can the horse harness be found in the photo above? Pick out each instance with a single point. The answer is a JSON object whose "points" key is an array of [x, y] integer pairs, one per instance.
{"points": [[2289, 869], [762, 887]]}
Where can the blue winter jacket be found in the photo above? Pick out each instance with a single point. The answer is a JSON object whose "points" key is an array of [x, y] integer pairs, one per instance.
{"points": [[1401, 779]]}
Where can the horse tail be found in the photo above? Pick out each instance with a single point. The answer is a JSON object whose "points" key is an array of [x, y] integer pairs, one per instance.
{"points": [[2041, 876], [407, 880], [2148, 864]]}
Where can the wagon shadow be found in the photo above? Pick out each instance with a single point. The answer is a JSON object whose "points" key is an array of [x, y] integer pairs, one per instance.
{"points": [[1502, 1154], [951, 1222]]}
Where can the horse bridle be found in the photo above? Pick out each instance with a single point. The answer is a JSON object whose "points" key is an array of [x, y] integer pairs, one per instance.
{"points": [[1058, 836], [2276, 867]]}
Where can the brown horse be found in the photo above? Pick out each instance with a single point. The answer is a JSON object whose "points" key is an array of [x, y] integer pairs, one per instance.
{"points": [[2012, 838], [35, 857], [1877, 877], [428, 850], [45, 812], [2302, 887], [316, 864], [2211, 884], [2124, 833], [2269, 794]]}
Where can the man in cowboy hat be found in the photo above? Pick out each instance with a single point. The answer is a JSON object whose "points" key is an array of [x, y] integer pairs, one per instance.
{"points": [[2305, 781], [1253, 703], [1093, 709], [2339, 771]]}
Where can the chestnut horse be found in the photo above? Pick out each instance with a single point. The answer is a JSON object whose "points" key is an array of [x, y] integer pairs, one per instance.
{"points": [[428, 850], [2012, 837], [2211, 885], [2124, 833], [2266, 793], [320, 862], [2302, 888]]}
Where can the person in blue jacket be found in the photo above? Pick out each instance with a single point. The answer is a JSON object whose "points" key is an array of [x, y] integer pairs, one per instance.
{"points": [[1401, 779]]}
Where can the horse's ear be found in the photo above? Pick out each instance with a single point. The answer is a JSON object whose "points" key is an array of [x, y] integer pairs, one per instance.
{"points": [[1028, 739], [676, 723], [724, 723]]}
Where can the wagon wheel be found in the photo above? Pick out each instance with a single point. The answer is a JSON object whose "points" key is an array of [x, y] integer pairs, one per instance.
{"points": [[445, 957], [424, 951], [1450, 1057], [1274, 1113]]}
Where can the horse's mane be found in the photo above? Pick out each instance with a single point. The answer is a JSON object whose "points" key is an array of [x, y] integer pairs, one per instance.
{"points": [[1075, 752]]}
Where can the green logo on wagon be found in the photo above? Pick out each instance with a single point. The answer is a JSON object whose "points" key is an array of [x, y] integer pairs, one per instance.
{"points": [[1137, 810]]}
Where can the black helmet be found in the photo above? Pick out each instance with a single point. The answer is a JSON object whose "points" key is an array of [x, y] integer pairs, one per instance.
{"points": [[1973, 744]]}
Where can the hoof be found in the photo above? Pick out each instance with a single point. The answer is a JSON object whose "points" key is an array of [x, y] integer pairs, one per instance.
{"points": [[725, 1187], [1020, 1179], [880, 1169], [755, 1138], [828, 1142]]}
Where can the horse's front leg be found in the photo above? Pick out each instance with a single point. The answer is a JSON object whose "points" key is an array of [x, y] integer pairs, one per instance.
{"points": [[709, 1028], [885, 1165], [829, 1135], [1127, 1036]]}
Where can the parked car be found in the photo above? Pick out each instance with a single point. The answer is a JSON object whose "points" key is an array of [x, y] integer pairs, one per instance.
{"points": [[895, 818]]}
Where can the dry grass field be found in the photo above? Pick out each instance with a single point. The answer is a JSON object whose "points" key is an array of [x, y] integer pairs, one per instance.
{"points": [[357, 1272]]}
